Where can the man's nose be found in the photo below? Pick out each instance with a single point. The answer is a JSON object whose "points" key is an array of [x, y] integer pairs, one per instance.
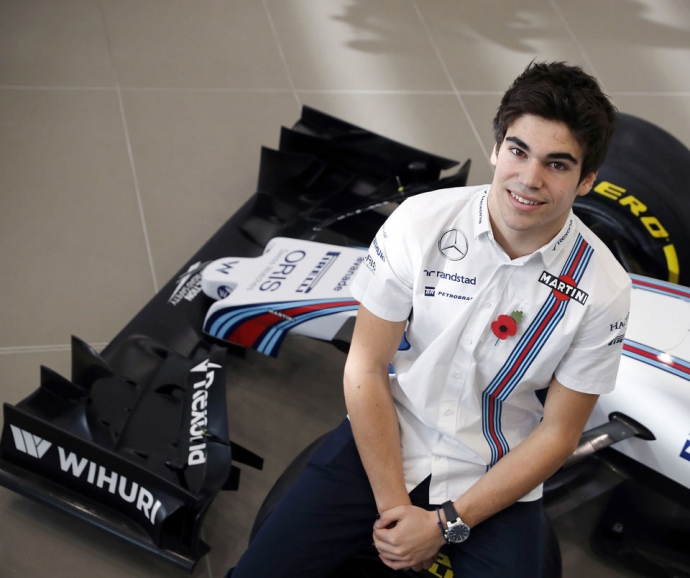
{"points": [[531, 175]]}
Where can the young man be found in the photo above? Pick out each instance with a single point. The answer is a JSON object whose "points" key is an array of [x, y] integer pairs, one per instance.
{"points": [[496, 292]]}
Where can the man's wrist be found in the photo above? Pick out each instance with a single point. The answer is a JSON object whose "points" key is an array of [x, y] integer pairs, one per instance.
{"points": [[453, 528]]}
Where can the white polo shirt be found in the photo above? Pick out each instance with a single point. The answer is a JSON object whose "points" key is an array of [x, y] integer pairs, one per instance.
{"points": [[464, 396]]}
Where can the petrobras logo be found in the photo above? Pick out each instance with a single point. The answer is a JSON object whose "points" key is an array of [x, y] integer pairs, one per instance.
{"points": [[28, 443], [90, 472], [199, 417], [429, 291]]}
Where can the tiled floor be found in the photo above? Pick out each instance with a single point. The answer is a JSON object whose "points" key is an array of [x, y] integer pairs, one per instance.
{"points": [[131, 129]]}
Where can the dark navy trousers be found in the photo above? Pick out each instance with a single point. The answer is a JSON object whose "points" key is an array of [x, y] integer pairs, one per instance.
{"points": [[328, 517]]}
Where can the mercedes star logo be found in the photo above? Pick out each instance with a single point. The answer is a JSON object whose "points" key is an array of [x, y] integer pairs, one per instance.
{"points": [[453, 245]]}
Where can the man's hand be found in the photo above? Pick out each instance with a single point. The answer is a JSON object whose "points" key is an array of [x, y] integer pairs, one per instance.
{"points": [[408, 537]]}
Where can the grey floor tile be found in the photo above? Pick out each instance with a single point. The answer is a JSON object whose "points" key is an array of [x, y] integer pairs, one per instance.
{"points": [[639, 45], [486, 44], [20, 373], [208, 43], [197, 159], [345, 45], [71, 239], [482, 109], [434, 123], [45, 43]]}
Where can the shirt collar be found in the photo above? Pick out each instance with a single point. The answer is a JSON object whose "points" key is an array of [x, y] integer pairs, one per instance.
{"points": [[562, 241], [549, 252], [480, 209]]}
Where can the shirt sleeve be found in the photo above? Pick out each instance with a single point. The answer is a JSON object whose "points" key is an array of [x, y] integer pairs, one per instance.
{"points": [[591, 363], [384, 282]]}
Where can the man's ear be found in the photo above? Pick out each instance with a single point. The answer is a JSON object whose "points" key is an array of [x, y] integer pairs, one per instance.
{"points": [[586, 185], [494, 155]]}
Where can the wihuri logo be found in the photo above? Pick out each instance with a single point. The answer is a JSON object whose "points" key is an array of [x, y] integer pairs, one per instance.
{"points": [[101, 477]]}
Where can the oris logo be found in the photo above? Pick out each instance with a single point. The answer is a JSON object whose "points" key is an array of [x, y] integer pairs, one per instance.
{"points": [[453, 245]]}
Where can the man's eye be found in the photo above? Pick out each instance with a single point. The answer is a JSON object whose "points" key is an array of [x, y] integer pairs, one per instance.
{"points": [[516, 151], [559, 166]]}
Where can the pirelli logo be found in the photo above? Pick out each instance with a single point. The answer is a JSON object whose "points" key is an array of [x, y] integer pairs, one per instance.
{"points": [[564, 287]]}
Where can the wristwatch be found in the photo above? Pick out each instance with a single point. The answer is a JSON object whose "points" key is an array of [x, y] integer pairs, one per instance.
{"points": [[456, 530]]}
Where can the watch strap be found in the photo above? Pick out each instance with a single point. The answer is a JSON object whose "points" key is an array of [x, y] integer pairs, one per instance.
{"points": [[440, 525], [450, 512]]}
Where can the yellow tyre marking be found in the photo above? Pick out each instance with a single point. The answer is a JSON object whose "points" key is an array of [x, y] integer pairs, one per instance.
{"points": [[672, 263]]}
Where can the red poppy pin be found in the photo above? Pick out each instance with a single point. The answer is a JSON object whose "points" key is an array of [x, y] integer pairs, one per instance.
{"points": [[506, 325]]}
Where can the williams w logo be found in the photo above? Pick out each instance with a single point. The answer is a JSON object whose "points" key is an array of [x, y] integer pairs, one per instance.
{"points": [[28, 443]]}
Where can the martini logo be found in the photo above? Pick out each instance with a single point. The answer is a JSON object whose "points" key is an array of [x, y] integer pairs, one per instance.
{"points": [[564, 287], [28, 443]]}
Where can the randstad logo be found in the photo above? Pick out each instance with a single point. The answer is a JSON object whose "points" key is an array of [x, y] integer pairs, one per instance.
{"points": [[28, 443]]}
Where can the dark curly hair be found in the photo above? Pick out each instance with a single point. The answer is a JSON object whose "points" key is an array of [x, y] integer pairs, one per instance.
{"points": [[560, 92]]}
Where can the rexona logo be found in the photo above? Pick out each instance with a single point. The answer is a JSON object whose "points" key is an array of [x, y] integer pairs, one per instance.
{"points": [[29, 443], [199, 421], [91, 472]]}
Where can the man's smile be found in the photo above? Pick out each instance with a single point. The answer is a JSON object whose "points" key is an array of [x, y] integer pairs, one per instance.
{"points": [[523, 200]]}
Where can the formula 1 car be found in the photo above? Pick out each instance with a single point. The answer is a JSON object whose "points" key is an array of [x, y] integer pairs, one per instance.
{"points": [[88, 445]]}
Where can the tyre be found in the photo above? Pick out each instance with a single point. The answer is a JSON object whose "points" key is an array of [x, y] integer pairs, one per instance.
{"points": [[640, 203]]}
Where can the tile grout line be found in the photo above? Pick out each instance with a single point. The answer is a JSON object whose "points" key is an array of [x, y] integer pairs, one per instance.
{"points": [[577, 42], [56, 348], [665, 94], [450, 80], [130, 153], [266, 90], [140, 204], [281, 52], [39, 87]]}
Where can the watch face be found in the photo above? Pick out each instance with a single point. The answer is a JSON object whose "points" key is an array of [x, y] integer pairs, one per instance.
{"points": [[458, 532]]}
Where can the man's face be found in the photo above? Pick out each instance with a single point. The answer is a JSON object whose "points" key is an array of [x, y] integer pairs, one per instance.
{"points": [[535, 183]]}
